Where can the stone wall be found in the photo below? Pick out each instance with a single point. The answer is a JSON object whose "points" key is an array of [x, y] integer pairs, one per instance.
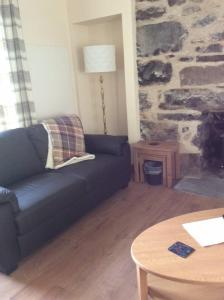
{"points": [[180, 49]]}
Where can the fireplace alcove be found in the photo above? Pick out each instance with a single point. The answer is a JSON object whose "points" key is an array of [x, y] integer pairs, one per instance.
{"points": [[212, 141], [209, 177]]}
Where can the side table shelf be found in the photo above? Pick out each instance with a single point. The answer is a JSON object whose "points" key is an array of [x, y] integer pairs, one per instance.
{"points": [[166, 152]]}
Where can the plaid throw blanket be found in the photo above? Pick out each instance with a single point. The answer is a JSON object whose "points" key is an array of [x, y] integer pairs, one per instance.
{"points": [[66, 143]]}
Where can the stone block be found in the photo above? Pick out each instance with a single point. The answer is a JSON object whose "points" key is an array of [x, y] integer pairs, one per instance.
{"points": [[202, 75], [144, 103], [164, 37], [176, 2], [197, 1], [178, 117], [210, 58], [154, 72], [205, 21], [150, 13], [186, 58], [151, 131], [171, 56], [210, 49], [194, 99], [218, 36]]}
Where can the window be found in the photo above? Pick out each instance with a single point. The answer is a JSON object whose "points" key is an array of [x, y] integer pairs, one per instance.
{"points": [[8, 115], [16, 106]]}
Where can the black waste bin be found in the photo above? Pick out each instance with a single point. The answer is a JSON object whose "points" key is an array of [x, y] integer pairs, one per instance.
{"points": [[153, 171]]}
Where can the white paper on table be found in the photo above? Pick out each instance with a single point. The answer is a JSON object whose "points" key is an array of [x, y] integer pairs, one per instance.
{"points": [[207, 232]]}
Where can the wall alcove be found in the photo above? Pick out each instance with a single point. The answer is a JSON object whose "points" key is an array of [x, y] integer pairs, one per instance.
{"points": [[99, 32], [106, 22]]}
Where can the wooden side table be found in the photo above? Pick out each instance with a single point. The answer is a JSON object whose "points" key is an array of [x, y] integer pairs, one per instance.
{"points": [[166, 152]]}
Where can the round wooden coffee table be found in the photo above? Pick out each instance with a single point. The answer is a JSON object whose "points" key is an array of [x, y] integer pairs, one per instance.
{"points": [[149, 252]]}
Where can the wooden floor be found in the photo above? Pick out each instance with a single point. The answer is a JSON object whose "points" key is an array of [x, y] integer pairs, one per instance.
{"points": [[91, 260]]}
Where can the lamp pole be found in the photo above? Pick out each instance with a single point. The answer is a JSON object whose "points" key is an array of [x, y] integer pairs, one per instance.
{"points": [[100, 59], [101, 80]]}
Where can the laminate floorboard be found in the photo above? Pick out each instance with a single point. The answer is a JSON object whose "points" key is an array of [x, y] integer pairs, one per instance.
{"points": [[91, 260]]}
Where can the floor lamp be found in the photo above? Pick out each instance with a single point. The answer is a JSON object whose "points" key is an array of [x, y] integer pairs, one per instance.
{"points": [[100, 59]]}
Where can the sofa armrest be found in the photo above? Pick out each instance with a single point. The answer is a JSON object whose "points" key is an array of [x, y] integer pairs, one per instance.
{"points": [[107, 144], [7, 196], [9, 250]]}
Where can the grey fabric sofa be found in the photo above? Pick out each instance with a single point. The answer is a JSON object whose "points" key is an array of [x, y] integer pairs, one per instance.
{"points": [[36, 204]]}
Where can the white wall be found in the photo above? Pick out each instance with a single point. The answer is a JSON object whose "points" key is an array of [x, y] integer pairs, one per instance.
{"points": [[47, 38], [82, 11]]}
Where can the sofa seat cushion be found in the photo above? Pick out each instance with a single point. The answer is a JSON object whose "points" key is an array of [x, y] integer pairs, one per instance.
{"points": [[42, 197], [98, 173], [18, 158]]}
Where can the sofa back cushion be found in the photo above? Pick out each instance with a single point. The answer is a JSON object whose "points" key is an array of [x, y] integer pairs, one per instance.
{"points": [[107, 144], [18, 158], [39, 138]]}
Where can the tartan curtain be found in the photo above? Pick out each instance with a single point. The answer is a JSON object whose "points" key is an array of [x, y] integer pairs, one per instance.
{"points": [[16, 105]]}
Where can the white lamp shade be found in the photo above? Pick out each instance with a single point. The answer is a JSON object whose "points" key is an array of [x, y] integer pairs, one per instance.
{"points": [[99, 58]]}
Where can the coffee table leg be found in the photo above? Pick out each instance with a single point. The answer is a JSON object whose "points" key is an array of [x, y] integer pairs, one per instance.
{"points": [[142, 284]]}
